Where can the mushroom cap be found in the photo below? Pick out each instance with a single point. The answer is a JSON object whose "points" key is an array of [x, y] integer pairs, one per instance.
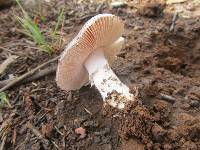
{"points": [[101, 31]]}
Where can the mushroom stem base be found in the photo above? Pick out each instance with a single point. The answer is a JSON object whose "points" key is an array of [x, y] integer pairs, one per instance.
{"points": [[105, 80]]}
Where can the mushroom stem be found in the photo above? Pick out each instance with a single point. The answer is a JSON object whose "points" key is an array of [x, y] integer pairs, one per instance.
{"points": [[105, 80]]}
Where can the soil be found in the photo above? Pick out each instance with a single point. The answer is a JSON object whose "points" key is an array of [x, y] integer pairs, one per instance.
{"points": [[154, 59]]}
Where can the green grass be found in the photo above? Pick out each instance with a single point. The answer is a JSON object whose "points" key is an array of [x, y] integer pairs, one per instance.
{"points": [[32, 30], [55, 35], [59, 22]]}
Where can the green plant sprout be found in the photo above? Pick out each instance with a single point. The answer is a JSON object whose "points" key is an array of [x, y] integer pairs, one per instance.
{"points": [[32, 30], [59, 22], [56, 36], [4, 100]]}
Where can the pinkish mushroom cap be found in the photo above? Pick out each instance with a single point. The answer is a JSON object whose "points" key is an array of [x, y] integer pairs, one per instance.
{"points": [[100, 32]]}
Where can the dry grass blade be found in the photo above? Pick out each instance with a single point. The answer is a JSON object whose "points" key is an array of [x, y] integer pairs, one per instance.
{"points": [[3, 142], [6, 63]]}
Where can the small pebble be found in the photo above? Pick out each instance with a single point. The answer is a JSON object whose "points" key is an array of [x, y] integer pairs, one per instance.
{"points": [[81, 131], [194, 103]]}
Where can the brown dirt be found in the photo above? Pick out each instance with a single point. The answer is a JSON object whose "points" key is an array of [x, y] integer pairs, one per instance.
{"points": [[154, 59]]}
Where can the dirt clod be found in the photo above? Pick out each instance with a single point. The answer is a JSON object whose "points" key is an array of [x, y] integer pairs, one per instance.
{"points": [[135, 121]]}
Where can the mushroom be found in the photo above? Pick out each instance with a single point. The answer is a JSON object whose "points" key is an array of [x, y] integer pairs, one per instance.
{"points": [[87, 58]]}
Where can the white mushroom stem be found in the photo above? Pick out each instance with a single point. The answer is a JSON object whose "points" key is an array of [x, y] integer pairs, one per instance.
{"points": [[105, 80]]}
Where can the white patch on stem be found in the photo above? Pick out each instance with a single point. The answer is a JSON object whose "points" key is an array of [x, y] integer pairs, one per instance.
{"points": [[105, 80]]}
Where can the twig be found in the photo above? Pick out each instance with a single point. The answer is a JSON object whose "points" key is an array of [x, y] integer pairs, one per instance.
{"points": [[87, 111], [36, 76], [6, 63], [58, 131], [4, 82], [32, 47], [55, 144], [41, 73], [174, 19], [10, 51], [14, 136], [7, 50], [26, 75], [118, 4], [35, 131], [3, 142], [167, 98], [86, 17], [99, 7]]}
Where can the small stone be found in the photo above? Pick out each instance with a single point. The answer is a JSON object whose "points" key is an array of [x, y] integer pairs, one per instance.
{"points": [[146, 71], [81, 131], [194, 103]]}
